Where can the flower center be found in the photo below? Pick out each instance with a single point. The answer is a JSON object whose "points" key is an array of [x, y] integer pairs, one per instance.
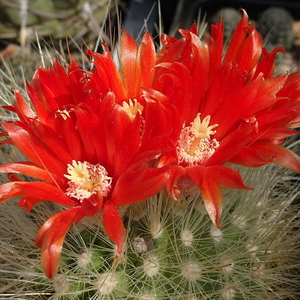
{"points": [[86, 179], [132, 108], [195, 145]]}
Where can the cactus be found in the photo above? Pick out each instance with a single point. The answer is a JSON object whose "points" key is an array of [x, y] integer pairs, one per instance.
{"points": [[20, 19], [172, 251], [276, 25]]}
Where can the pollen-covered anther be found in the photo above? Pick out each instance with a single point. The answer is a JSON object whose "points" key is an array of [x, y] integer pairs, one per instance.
{"points": [[64, 114], [86, 179], [195, 145], [132, 108]]}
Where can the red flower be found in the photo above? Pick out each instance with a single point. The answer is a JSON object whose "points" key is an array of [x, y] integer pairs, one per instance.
{"points": [[229, 110], [128, 85], [101, 139], [91, 148], [136, 69]]}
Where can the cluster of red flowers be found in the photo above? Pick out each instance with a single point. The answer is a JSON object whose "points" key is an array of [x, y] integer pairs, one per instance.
{"points": [[96, 140]]}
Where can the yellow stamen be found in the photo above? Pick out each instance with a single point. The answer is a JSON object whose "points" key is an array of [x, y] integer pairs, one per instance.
{"points": [[64, 113], [195, 145], [132, 108], [86, 179], [201, 131]]}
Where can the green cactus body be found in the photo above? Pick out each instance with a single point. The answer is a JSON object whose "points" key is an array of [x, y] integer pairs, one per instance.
{"points": [[54, 18], [173, 251]]}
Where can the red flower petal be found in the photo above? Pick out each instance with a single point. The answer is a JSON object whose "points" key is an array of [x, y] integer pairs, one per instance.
{"points": [[34, 149], [147, 59], [245, 46], [32, 170], [266, 64], [106, 76], [114, 226], [137, 185], [226, 177], [215, 45], [53, 141], [176, 82], [210, 191], [23, 109], [72, 138], [92, 205], [195, 57], [232, 143], [51, 236], [131, 69], [35, 190], [260, 153], [86, 125], [209, 179], [171, 186]]}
